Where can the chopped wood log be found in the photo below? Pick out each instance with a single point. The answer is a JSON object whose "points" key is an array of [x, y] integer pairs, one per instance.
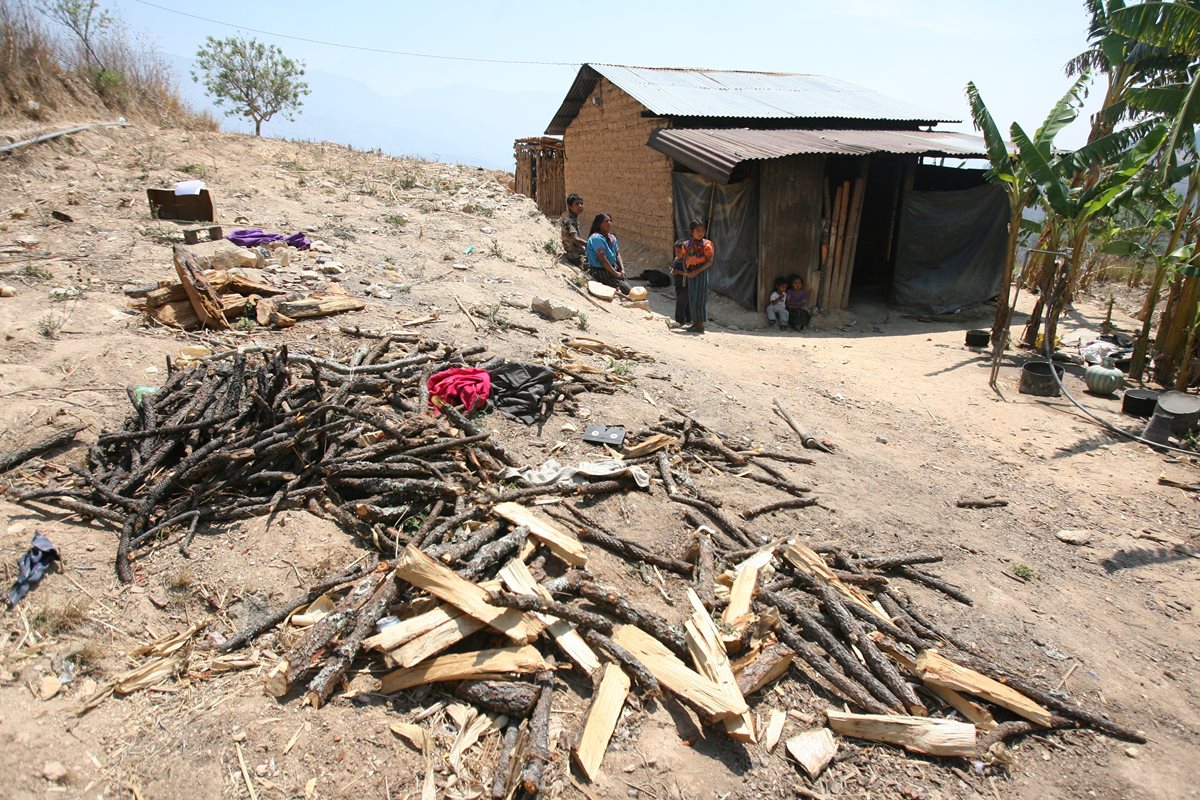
{"points": [[477, 665], [935, 737], [708, 654], [971, 711], [988, 502], [600, 720], [447, 633], [705, 573], [700, 692], [1008, 730], [313, 645], [513, 698], [934, 582], [551, 609], [898, 560], [813, 750], [875, 660], [738, 614], [518, 578], [937, 670], [200, 292], [560, 543], [539, 734], [656, 626], [759, 669], [774, 729], [780, 505], [19, 456], [318, 305], [321, 687], [423, 572], [640, 673], [504, 767]]}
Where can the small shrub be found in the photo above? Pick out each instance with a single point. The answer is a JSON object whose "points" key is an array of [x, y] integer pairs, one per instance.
{"points": [[36, 272], [49, 324], [396, 219], [581, 321], [1023, 571], [245, 324], [426, 208], [619, 367], [197, 170], [551, 246], [496, 250]]}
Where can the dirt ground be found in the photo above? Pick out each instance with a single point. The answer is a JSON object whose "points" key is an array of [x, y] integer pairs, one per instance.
{"points": [[1113, 622]]}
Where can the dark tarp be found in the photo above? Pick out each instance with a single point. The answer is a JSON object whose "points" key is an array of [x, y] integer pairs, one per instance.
{"points": [[733, 229], [950, 253]]}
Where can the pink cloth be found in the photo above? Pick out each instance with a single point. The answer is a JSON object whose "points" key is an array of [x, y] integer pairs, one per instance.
{"points": [[462, 386]]}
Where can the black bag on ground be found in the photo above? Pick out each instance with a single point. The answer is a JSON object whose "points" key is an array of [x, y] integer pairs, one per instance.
{"points": [[655, 277]]}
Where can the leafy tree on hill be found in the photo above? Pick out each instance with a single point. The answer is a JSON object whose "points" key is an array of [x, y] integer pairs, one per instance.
{"points": [[252, 79]]}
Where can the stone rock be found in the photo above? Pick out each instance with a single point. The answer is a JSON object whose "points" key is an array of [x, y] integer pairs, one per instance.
{"points": [[319, 246], [881, 439], [63, 293], [48, 687], [54, 772], [331, 267], [309, 275], [379, 292], [1074, 536], [552, 311], [8, 291], [601, 291]]}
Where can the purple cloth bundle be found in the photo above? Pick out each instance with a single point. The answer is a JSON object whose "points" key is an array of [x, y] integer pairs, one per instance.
{"points": [[253, 237]]}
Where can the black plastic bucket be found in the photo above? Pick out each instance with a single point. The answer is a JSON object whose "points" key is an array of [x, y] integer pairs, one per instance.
{"points": [[1139, 402], [979, 338], [1037, 379]]}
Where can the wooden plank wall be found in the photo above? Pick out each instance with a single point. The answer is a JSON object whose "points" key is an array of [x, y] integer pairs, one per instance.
{"points": [[789, 219]]}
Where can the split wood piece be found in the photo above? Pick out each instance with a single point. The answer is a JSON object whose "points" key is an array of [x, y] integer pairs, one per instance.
{"points": [[858, 683], [987, 502], [971, 711], [934, 582], [539, 734], [518, 578], [758, 669], [591, 531], [651, 444], [406, 630], [455, 626], [711, 660], [937, 670], [636, 669], [705, 572], [323, 684], [780, 505], [423, 572], [935, 737], [738, 614], [898, 560], [600, 721], [809, 442], [849, 253], [321, 304], [270, 620], [559, 542], [312, 646], [513, 698], [666, 633], [775, 725], [875, 660], [810, 563], [19, 456], [200, 293], [702, 693], [477, 665], [813, 750]]}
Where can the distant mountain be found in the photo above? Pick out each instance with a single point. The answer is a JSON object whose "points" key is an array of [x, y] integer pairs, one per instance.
{"points": [[458, 124]]}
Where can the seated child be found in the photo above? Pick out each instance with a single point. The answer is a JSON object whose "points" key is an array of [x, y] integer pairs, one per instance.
{"points": [[777, 304], [797, 304]]}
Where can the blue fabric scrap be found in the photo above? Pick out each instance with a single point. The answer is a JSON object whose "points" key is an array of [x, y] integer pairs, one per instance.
{"points": [[32, 567]]}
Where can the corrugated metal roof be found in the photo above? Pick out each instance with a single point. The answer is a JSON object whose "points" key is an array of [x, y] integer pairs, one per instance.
{"points": [[716, 152], [731, 94]]}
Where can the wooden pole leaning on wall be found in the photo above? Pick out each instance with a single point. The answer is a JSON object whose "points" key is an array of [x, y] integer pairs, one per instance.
{"points": [[835, 240], [860, 191]]}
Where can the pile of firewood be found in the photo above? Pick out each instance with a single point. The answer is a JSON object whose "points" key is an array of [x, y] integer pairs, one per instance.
{"points": [[213, 298], [475, 585]]}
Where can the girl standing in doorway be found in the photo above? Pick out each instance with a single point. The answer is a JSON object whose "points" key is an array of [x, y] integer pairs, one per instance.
{"points": [[697, 257]]}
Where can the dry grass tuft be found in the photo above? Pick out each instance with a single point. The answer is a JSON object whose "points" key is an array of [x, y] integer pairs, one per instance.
{"points": [[57, 618]]}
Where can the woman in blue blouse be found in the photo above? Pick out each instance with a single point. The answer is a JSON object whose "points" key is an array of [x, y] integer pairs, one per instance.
{"points": [[604, 255]]}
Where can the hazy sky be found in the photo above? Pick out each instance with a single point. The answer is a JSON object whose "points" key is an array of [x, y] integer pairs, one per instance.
{"points": [[923, 51]]}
